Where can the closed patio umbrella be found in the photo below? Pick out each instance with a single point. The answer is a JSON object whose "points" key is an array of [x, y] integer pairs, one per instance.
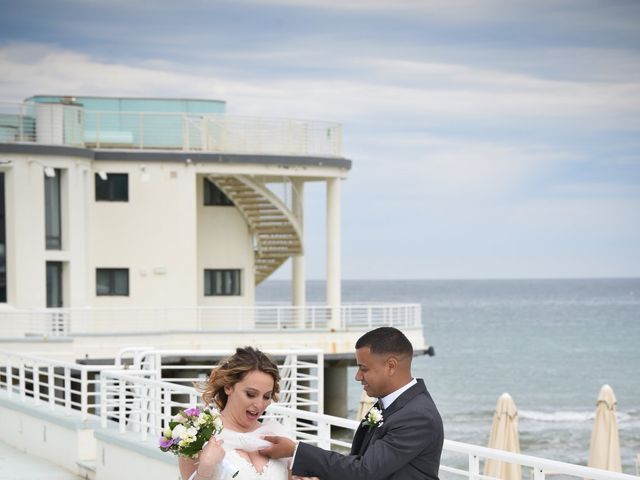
{"points": [[504, 436], [605, 442], [366, 402]]}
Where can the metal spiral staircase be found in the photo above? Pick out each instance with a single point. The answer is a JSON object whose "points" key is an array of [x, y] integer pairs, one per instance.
{"points": [[277, 233]]}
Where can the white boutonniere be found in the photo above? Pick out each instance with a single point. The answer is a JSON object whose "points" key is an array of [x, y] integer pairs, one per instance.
{"points": [[373, 418]]}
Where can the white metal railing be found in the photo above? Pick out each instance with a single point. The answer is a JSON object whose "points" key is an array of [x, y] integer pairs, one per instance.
{"points": [[144, 400], [51, 124], [538, 467], [71, 321], [301, 370], [141, 406], [146, 416], [48, 123], [143, 384], [49, 383]]}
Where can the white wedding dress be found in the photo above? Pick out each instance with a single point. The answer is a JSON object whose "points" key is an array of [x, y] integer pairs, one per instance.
{"points": [[275, 469]]}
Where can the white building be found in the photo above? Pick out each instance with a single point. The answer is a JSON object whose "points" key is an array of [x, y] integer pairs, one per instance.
{"points": [[121, 208], [141, 221]]}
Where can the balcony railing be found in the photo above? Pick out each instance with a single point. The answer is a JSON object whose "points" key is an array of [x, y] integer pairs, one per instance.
{"points": [[57, 124], [139, 404], [60, 322], [144, 383]]}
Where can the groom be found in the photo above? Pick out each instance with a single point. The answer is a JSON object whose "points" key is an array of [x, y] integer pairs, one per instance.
{"points": [[405, 444]]}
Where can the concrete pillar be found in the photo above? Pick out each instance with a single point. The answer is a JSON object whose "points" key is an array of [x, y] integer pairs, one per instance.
{"points": [[297, 262], [333, 252], [335, 391]]}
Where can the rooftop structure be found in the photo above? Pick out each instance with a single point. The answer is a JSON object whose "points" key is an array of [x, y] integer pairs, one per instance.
{"points": [[139, 202]]}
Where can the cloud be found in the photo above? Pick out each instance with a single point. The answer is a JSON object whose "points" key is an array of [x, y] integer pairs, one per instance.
{"points": [[435, 157], [378, 91]]}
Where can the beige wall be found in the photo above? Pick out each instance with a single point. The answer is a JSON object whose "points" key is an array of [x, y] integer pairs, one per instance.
{"points": [[26, 252], [164, 235], [153, 235], [224, 241]]}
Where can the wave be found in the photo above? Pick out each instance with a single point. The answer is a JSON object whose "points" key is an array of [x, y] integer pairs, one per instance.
{"points": [[565, 416]]}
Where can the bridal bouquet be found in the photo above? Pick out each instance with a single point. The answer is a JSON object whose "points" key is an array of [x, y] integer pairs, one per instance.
{"points": [[189, 430]]}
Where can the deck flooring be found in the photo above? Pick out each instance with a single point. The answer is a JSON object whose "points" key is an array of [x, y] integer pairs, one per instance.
{"points": [[17, 465]]}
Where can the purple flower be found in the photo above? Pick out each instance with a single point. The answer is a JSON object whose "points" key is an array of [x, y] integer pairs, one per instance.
{"points": [[192, 412], [167, 442]]}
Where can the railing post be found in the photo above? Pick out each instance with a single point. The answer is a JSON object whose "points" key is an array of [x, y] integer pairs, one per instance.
{"points": [[320, 360], [474, 466], [294, 382], [67, 390], [141, 122], [122, 411], [9, 377], [84, 394], [324, 435], [52, 386], [157, 364], [538, 473], [185, 128], [166, 408], [104, 400], [22, 382], [97, 129], [36, 383]]}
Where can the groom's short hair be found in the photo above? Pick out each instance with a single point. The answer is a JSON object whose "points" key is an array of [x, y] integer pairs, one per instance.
{"points": [[386, 340]]}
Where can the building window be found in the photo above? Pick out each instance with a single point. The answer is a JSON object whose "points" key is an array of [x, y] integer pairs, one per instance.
{"points": [[113, 188], [3, 245], [54, 285], [222, 282], [52, 210], [214, 196], [112, 281]]}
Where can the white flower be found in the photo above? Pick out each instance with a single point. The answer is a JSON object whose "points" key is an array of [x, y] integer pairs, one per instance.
{"points": [[167, 432], [179, 431], [374, 418], [217, 424], [202, 419]]}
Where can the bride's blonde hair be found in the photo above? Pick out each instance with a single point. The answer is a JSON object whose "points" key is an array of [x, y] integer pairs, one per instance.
{"points": [[233, 369]]}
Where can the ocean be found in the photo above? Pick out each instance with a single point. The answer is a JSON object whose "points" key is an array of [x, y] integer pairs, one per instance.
{"points": [[551, 344]]}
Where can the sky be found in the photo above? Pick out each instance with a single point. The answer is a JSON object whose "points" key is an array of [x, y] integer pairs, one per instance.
{"points": [[489, 138]]}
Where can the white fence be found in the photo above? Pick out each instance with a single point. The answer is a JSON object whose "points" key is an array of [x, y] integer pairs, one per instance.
{"points": [[140, 405], [56, 124], [62, 322], [146, 382]]}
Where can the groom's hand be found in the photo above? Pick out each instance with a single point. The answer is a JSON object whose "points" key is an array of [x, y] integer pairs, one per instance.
{"points": [[282, 447]]}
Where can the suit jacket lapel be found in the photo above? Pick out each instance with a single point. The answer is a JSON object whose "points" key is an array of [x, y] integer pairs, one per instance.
{"points": [[358, 438], [367, 439], [402, 400], [364, 434]]}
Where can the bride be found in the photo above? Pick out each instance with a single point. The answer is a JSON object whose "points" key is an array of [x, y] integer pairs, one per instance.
{"points": [[242, 387]]}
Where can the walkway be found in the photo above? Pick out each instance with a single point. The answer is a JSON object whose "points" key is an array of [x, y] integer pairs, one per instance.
{"points": [[17, 465]]}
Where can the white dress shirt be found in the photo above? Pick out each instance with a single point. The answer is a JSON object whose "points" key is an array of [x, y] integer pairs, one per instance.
{"points": [[389, 399]]}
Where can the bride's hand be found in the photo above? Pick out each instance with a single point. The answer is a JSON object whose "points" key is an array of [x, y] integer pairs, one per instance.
{"points": [[211, 455]]}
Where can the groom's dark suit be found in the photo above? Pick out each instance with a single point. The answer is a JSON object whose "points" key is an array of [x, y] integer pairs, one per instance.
{"points": [[407, 446]]}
